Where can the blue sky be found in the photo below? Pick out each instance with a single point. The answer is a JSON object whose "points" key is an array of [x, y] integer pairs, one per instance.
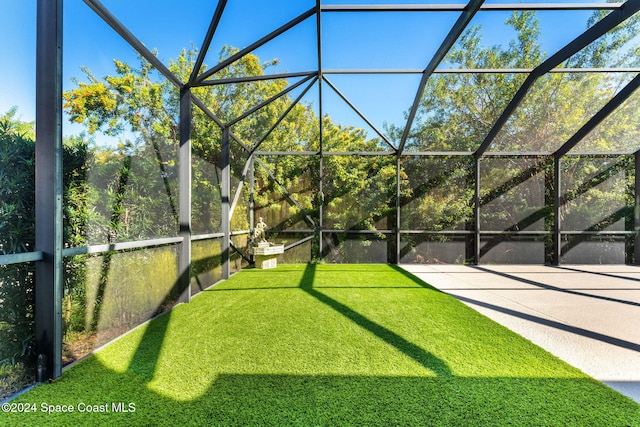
{"points": [[354, 40]]}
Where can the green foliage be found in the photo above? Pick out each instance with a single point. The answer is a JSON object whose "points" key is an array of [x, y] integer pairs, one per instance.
{"points": [[17, 181], [457, 110], [17, 234]]}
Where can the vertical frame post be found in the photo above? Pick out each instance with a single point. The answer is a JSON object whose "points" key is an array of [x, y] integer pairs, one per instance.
{"points": [[226, 198], [549, 202], [184, 179], [396, 259], [557, 205], [252, 200], [320, 129], [629, 216], [636, 210], [320, 202], [48, 184], [476, 212]]}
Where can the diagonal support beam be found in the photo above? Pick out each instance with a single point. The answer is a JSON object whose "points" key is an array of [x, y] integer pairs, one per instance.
{"points": [[215, 20], [257, 44], [310, 220], [604, 112], [124, 32], [606, 24], [359, 113], [283, 115], [236, 197], [462, 22], [197, 102], [511, 183], [268, 101], [299, 242], [246, 79], [242, 254], [231, 135]]}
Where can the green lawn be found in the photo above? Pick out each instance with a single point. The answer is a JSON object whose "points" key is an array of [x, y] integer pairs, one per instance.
{"points": [[330, 345]]}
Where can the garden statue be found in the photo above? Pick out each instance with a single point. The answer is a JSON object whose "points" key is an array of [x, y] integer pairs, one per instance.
{"points": [[265, 253], [259, 233]]}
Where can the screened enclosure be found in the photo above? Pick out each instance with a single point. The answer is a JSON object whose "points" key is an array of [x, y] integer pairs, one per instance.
{"points": [[360, 132]]}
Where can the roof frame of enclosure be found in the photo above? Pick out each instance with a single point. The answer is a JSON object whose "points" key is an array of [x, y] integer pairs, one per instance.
{"points": [[619, 12], [49, 250]]}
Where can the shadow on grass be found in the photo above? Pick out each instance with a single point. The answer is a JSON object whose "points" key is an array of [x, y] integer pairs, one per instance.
{"points": [[415, 279], [326, 400], [284, 400], [415, 352]]}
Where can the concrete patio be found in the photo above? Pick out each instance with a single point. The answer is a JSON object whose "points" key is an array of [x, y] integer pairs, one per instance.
{"points": [[589, 316]]}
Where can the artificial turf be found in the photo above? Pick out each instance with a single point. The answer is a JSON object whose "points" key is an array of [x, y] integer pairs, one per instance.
{"points": [[330, 345]]}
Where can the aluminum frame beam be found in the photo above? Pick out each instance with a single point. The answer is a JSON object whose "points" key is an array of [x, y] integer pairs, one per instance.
{"points": [[268, 101], [120, 246], [213, 26], [225, 191], [272, 35], [359, 113], [209, 236], [451, 38], [128, 36], [184, 183], [602, 114], [21, 257], [600, 28], [557, 210], [48, 189], [247, 79], [299, 242], [320, 196], [636, 209], [482, 70], [461, 7], [476, 211], [284, 115]]}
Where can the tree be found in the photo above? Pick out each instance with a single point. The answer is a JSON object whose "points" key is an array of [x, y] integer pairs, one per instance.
{"points": [[457, 111]]}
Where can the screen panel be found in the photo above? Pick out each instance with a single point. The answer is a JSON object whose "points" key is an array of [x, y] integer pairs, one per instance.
{"points": [[108, 294], [437, 193], [514, 193], [345, 248], [359, 192], [435, 249]]}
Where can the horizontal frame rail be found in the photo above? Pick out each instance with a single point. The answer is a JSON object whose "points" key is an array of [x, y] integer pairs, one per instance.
{"points": [[120, 246], [299, 242], [461, 7], [481, 70], [290, 231], [357, 231], [20, 257], [599, 233], [209, 236]]}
